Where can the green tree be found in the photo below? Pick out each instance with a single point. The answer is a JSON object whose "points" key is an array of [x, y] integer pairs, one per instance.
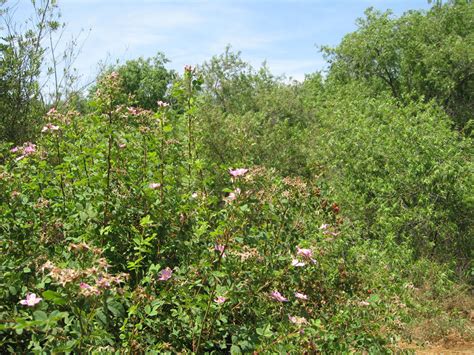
{"points": [[421, 55], [146, 80]]}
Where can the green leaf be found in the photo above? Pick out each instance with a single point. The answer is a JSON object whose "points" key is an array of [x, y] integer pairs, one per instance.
{"points": [[40, 315], [55, 297]]}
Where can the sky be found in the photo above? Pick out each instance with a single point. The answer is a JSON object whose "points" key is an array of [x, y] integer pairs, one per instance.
{"points": [[284, 33]]}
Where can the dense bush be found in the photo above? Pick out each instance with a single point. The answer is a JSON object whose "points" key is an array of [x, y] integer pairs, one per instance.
{"points": [[398, 170]]}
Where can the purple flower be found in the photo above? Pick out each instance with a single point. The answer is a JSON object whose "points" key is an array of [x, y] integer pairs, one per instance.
{"points": [[14, 149], [301, 296], [220, 299], [297, 263], [238, 172], [165, 274], [278, 297], [30, 300]]}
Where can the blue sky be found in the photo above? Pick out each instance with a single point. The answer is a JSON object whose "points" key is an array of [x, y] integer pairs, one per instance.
{"points": [[284, 33]]}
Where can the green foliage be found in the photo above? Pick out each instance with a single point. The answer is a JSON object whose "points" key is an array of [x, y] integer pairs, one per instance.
{"points": [[419, 55], [145, 80], [398, 170], [245, 213]]}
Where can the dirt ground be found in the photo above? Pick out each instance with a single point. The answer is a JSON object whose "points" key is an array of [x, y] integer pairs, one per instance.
{"points": [[467, 348]]}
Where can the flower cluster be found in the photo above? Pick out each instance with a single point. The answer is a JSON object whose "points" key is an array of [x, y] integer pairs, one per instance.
{"points": [[27, 149], [305, 254], [238, 172], [165, 274]]}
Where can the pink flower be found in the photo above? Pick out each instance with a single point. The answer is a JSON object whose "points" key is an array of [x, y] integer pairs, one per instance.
{"points": [[30, 300], [278, 297], [103, 282], [30, 148], [84, 285], [238, 172], [232, 196], [220, 248], [297, 320], [165, 274], [297, 263], [14, 150], [133, 111], [154, 185], [324, 226], [122, 145], [305, 253], [220, 299], [188, 68], [114, 75], [51, 111], [49, 127], [162, 104], [301, 296]]}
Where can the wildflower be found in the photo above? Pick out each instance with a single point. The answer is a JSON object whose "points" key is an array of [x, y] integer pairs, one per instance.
{"points": [[49, 127], [103, 282], [30, 300], [122, 145], [133, 111], [51, 111], [232, 196], [154, 185], [114, 75], [297, 320], [238, 172], [305, 253], [277, 296], [14, 149], [188, 68], [194, 195], [297, 263], [221, 249], [162, 104], [30, 148], [220, 299], [48, 265], [324, 226], [88, 290], [364, 303], [165, 274], [301, 296]]}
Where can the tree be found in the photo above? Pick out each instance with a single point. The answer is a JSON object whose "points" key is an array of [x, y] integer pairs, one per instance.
{"points": [[32, 74], [426, 55], [146, 80]]}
